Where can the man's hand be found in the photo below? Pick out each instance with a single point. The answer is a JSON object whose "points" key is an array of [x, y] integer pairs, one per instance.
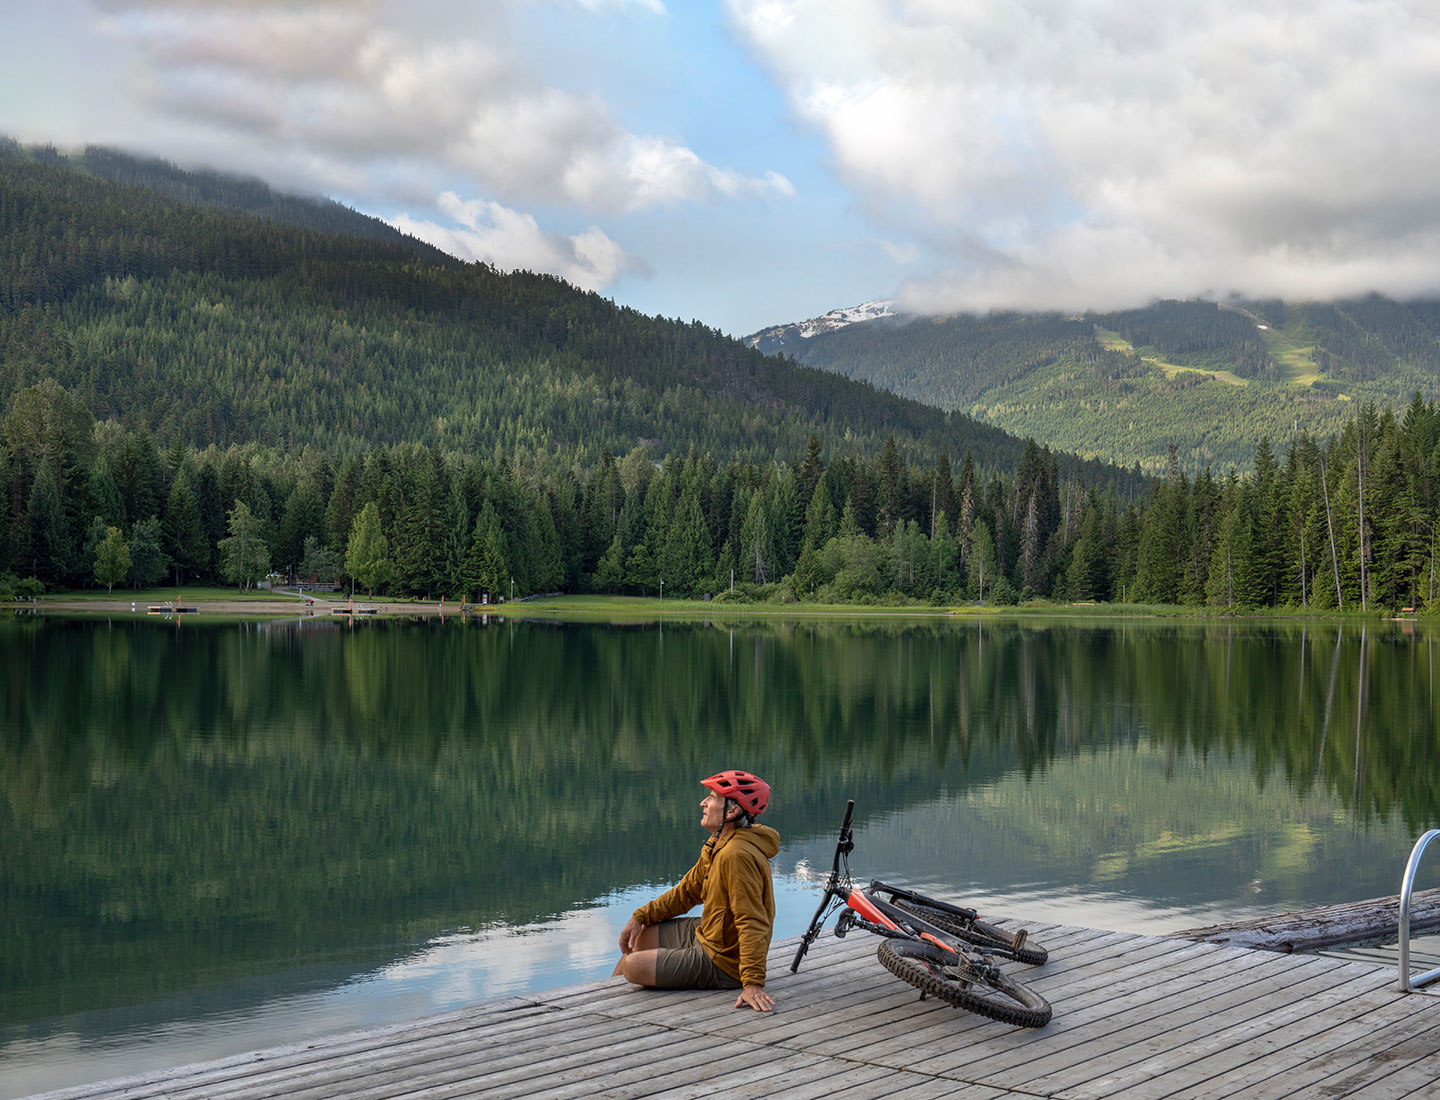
{"points": [[756, 997], [630, 935]]}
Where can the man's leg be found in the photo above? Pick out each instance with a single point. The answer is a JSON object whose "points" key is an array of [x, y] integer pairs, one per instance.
{"points": [[638, 967], [667, 956]]}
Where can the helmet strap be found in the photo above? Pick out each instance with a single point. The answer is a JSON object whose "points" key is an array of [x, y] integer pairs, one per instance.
{"points": [[744, 821]]}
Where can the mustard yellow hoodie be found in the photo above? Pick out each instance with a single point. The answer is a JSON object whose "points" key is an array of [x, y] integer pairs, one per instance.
{"points": [[732, 879]]}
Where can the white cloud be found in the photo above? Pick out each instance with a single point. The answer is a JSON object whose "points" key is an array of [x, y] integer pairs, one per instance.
{"points": [[654, 7], [346, 84], [1103, 152], [511, 240]]}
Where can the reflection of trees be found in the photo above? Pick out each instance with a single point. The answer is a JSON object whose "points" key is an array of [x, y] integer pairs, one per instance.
{"points": [[219, 799]]}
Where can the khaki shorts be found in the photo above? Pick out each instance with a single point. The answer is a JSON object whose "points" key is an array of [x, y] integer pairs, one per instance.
{"points": [[682, 963]]}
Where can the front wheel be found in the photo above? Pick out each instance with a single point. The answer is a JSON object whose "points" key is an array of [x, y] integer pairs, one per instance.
{"points": [[977, 932], [936, 971]]}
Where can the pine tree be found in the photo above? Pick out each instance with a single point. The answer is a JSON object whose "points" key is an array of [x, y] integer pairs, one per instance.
{"points": [[891, 503], [942, 493], [686, 563], [184, 533], [756, 558], [148, 560], [810, 471], [787, 523], [49, 548], [610, 571], [981, 564], [486, 571]]}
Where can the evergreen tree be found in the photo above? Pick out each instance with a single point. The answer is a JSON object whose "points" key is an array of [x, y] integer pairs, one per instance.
{"points": [[148, 560], [809, 472], [105, 494], [318, 563], [981, 564], [942, 493], [486, 571], [725, 568], [455, 541], [1089, 578], [137, 473], [891, 503], [344, 504], [184, 532], [610, 570], [303, 516], [49, 546], [821, 522], [756, 558], [418, 540], [944, 556], [1156, 578], [787, 523], [686, 562], [965, 517], [642, 572]]}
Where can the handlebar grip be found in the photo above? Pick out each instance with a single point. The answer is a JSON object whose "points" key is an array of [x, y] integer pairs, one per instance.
{"points": [[849, 812], [799, 954]]}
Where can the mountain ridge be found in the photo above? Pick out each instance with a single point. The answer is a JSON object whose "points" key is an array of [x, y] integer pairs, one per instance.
{"points": [[205, 323], [1211, 379]]}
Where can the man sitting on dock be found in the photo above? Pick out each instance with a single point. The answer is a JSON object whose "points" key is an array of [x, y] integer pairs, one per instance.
{"points": [[724, 947]]}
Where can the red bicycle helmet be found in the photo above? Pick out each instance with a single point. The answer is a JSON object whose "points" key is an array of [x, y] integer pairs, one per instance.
{"points": [[750, 791]]}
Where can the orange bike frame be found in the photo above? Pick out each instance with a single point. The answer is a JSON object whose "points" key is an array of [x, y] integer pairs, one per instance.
{"points": [[861, 903]]}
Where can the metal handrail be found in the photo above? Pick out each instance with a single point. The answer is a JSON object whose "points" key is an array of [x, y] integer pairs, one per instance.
{"points": [[1409, 982]]}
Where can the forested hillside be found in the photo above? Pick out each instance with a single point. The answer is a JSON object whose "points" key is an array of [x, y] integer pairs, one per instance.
{"points": [[1212, 381], [204, 326]]}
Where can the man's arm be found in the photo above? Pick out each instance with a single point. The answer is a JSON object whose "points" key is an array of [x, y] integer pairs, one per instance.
{"points": [[680, 898]]}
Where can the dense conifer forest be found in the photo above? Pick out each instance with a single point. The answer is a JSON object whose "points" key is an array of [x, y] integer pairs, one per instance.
{"points": [[205, 324], [1207, 379], [190, 392]]}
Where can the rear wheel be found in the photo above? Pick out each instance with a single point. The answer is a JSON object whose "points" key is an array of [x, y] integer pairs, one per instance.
{"points": [[929, 969], [977, 932]]}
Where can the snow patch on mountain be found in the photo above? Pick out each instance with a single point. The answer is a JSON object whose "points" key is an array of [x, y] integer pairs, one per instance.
{"points": [[777, 337]]}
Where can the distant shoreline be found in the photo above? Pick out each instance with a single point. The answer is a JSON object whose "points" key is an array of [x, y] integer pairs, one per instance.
{"points": [[212, 603]]}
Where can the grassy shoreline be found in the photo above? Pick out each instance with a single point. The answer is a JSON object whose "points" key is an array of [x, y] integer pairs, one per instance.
{"points": [[211, 602]]}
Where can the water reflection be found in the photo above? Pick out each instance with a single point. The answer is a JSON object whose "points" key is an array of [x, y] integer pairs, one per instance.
{"points": [[272, 815]]}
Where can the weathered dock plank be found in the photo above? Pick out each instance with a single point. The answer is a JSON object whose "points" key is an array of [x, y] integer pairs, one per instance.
{"points": [[1144, 1017]]}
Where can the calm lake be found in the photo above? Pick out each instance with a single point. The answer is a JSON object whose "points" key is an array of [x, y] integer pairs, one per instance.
{"points": [[216, 837]]}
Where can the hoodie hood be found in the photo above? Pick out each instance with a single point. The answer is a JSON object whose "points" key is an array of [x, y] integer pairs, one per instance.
{"points": [[762, 838]]}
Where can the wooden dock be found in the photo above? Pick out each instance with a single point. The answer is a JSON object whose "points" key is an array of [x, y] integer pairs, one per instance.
{"points": [[1140, 1017]]}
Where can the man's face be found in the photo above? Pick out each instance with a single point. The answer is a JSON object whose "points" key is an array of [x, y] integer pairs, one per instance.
{"points": [[712, 812]]}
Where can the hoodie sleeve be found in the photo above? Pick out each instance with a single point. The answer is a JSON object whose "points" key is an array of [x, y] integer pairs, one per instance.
{"points": [[676, 901]]}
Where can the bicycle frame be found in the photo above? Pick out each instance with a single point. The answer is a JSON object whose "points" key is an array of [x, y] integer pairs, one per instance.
{"points": [[872, 913], [953, 956]]}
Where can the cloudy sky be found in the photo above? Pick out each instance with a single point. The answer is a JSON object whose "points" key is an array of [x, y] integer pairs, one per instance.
{"points": [[747, 162]]}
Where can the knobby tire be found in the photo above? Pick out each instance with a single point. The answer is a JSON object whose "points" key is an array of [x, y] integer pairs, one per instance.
{"points": [[977, 932], [995, 995]]}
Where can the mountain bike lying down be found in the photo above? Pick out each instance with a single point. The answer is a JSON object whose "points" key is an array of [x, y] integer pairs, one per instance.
{"points": [[939, 948]]}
